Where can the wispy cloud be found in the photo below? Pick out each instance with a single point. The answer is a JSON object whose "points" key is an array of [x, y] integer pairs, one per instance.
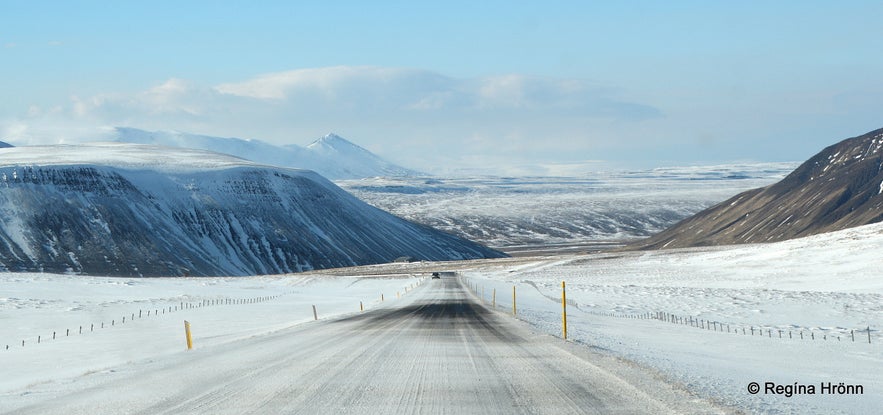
{"points": [[398, 111], [410, 89]]}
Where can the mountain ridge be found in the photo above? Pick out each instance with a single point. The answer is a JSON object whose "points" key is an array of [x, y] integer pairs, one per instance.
{"points": [[135, 210], [339, 159], [838, 188]]}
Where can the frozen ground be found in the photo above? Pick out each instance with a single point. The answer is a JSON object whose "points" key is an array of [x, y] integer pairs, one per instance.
{"points": [[503, 212], [824, 287], [220, 310], [434, 351]]}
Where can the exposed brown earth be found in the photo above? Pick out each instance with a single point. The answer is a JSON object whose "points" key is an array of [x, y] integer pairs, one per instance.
{"points": [[838, 188]]}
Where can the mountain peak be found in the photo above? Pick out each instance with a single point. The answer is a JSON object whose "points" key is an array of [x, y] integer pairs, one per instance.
{"points": [[332, 137], [353, 160], [331, 156], [334, 142]]}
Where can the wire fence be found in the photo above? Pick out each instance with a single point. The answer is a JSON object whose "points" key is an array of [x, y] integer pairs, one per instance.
{"points": [[130, 318], [168, 308], [812, 334], [865, 334]]}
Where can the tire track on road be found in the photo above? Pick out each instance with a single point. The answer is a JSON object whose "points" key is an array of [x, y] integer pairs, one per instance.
{"points": [[436, 351]]}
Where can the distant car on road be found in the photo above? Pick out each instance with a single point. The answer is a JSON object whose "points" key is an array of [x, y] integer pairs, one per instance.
{"points": [[436, 275]]}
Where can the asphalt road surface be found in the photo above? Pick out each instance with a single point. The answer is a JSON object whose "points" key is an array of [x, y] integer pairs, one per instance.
{"points": [[437, 351]]}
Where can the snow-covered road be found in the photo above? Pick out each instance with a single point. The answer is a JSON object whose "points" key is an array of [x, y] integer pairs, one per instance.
{"points": [[824, 290], [438, 350]]}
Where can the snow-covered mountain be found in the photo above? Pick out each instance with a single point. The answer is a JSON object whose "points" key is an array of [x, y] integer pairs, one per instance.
{"points": [[136, 210], [840, 187], [351, 161], [331, 156]]}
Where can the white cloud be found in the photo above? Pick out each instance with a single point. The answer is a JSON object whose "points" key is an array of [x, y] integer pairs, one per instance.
{"points": [[403, 114], [505, 91], [324, 82], [346, 87]]}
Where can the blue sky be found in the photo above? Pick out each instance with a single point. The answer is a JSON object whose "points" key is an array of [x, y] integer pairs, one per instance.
{"points": [[475, 84]]}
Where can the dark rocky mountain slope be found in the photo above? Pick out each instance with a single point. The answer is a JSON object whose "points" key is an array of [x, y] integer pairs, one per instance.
{"points": [[135, 210], [838, 188]]}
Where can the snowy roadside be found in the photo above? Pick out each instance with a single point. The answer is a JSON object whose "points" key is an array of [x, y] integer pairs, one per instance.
{"points": [[220, 310], [821, 288]]}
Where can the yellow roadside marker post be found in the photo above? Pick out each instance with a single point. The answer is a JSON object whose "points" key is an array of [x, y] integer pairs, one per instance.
{"points": [[564, 310], [187, 334]]}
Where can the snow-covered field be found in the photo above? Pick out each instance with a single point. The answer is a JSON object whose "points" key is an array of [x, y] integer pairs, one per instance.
{"points": [[504, 212], [129, 319], [823, 286]]}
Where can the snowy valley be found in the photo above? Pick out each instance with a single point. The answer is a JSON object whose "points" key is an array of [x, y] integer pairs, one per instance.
{"points": [[784, 313], [710, 320], [605, 207]]}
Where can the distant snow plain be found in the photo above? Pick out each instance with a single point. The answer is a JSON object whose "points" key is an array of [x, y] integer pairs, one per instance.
{"points": [[825, 288], [606, 206]]}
